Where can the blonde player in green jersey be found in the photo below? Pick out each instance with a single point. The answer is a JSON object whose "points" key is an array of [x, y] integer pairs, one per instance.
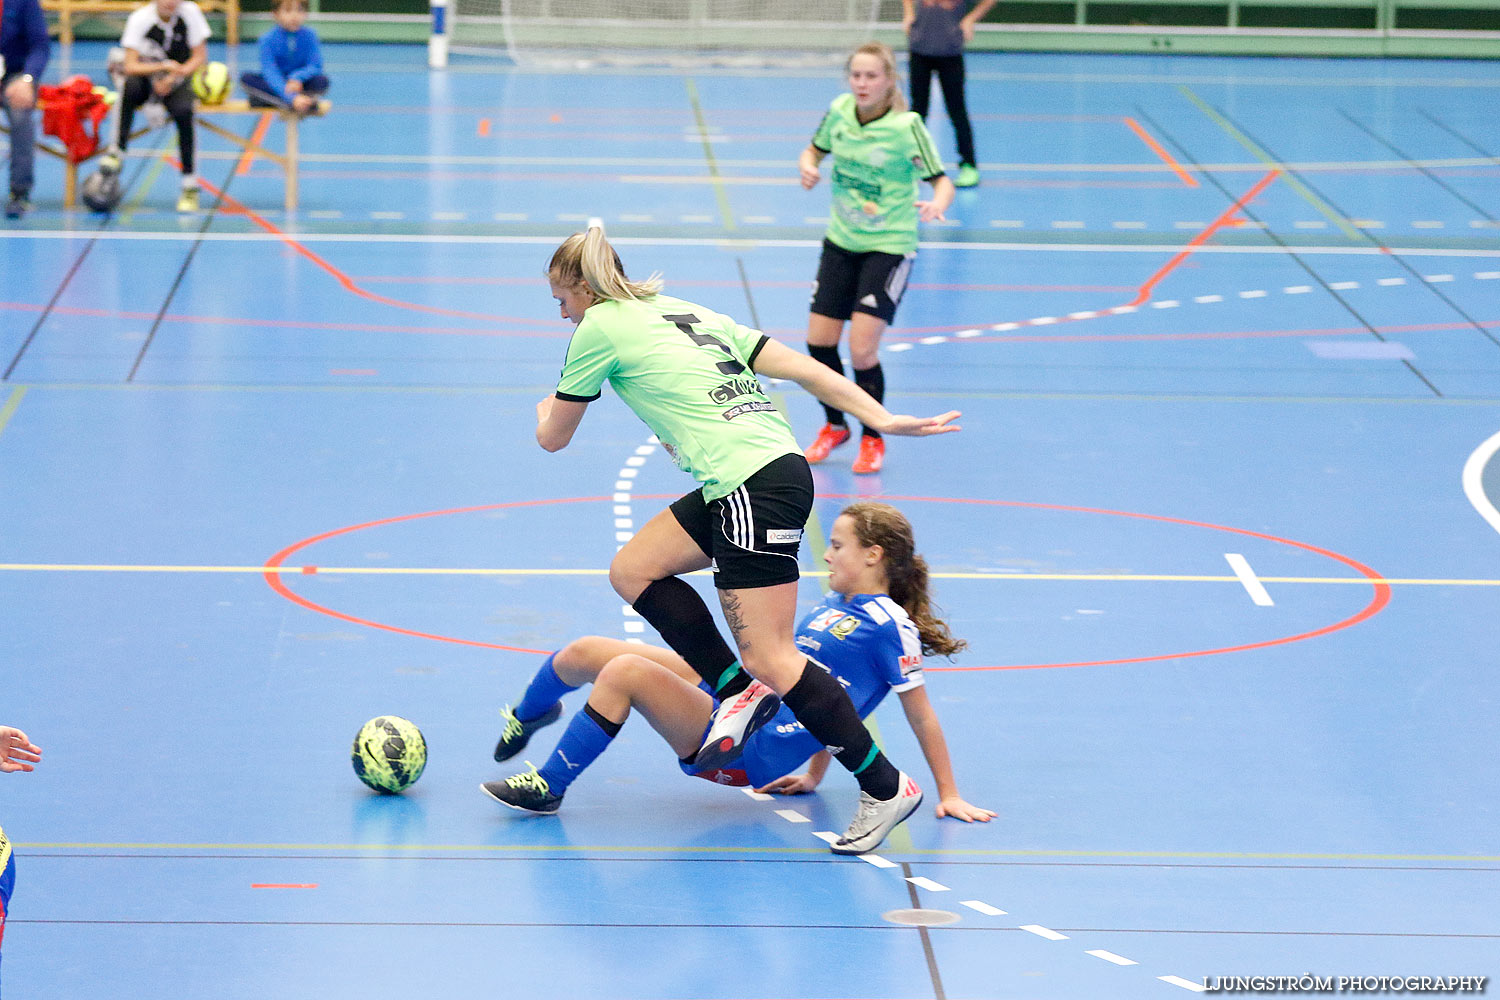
{"points": [[880, 152], [691, 375]]}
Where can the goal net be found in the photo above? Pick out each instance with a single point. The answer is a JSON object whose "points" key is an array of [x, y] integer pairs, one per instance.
{"points": [[665, 32]]}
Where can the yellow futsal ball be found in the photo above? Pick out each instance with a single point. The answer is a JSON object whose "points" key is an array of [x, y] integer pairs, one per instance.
{"points": [[211, 83], [389, 754]]}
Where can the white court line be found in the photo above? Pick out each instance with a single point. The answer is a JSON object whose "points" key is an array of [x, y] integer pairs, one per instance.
{"points": [[1473, 475], [1186, 984], [1045, 932], [745, 242], [1110, 956], [982, 907], [922, 882], [757, 796], [1247, 576], [792, 816]]}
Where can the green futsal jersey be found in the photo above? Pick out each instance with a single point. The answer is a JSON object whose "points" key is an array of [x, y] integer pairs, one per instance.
{"points": [[684, 370], [876, 167]]}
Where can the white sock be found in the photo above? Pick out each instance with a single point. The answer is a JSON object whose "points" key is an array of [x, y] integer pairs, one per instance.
{"points": [[189, 182]]}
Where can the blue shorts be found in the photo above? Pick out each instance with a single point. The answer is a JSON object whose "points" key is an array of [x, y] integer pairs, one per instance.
{"points": [[7, 880], [777, 748]]}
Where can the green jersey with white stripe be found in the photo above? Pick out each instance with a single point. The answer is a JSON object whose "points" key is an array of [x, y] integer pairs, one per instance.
{"points": [[876, 167], [685, 371]]}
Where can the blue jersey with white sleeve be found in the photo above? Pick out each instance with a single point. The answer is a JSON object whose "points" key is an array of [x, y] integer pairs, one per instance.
{"points": [[870, 644]]}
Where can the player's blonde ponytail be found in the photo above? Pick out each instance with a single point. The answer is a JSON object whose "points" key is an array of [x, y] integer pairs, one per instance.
{"points": [[905, 571], [587, 259]]}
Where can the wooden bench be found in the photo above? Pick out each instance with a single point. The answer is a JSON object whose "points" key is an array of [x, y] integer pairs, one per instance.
{"points": [[252, 147], [67, 9], [287, 159]]}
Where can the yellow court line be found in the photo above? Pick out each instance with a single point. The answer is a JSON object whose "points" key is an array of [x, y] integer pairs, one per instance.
{"points": [[11, 405], [316, 570], [1327, 210], [700, 849]]}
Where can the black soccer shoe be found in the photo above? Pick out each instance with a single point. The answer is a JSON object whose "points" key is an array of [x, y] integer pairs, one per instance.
{"points": [[516, 734]]}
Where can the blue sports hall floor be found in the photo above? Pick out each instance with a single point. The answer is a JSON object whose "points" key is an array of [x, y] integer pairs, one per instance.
{"points": [[1220, 529]]}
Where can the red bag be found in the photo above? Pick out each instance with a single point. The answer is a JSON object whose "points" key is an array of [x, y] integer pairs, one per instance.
{"points": [[71, 108]]}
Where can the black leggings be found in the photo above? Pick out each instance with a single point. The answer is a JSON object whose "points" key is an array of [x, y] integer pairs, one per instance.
{"points": [[950, 71], [179, 104]]}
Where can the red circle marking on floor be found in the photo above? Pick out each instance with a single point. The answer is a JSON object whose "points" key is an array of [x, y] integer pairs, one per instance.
{"points": [[1381, 598]]}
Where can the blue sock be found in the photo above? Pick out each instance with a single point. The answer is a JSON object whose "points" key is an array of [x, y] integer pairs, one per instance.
{"points": [[542, 693], [581, 744]]}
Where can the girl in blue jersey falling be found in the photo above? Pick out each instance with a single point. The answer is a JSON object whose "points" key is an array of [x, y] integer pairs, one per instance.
{"points": [[871, 631], [691, 375]]}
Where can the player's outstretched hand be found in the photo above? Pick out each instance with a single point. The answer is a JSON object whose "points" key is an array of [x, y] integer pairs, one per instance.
{"points": [[789, 784], [959, 809], [17, 753], [906, 426], [928, 211]]}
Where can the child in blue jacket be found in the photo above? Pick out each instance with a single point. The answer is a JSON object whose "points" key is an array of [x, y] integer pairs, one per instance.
{"points": [[291, 63]]}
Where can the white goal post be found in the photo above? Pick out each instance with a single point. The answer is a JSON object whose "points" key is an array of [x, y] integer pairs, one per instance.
{"points": [[667, 32]]}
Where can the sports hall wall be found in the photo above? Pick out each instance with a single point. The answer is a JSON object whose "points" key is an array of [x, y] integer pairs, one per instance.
{"points": [[1416, 28]]}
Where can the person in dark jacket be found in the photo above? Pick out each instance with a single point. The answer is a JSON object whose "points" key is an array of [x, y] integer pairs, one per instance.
{"points": [[24, 49]]}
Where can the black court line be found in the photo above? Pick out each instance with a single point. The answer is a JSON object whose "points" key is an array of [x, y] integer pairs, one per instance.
{"points": [[1457, 135], [1185, 865], [1276, 238], [208, 220], [604, 925], [739, 262], [1446, 187], [932, 966], [1392, 254], [68, 278]]}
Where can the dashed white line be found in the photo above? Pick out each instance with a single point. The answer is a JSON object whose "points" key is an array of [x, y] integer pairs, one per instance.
{"points": [[1254, 293], [1007, 223], [1044, 932], [1166, 304], [968, 333], [1342, 286], [1043, 320], [982, 907], [509, 216], [1297, 289], [1129, 225], [1248, 579], [1487, 275], [792, 816], [933, 340], [1067, 224], [1387, 282], [1426, 224], [1110, 956], [1209, 298], [926, 883], [1311, 224], [1435, 278], [1186, 984], [757, 796], [1086, 314]]}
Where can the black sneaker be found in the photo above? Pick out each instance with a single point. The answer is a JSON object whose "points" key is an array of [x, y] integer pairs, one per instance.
{"points": [[516, 734], [17, 206], [526, 791]]}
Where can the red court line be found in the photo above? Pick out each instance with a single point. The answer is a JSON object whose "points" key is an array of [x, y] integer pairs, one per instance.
{"points": [[1165, 156], [1144, 293], [256, 138], [1381, 598], [484, 127], [283, 885], [236, 207]]}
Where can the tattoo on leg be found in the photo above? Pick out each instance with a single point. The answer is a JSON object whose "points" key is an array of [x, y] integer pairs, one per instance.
{"points": [[735, 618]]}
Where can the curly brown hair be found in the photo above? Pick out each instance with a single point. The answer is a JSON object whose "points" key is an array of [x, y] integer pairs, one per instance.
{"points": [[905, 571]]}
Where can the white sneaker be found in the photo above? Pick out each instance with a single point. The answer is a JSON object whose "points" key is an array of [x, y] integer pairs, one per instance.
{"points": [[733, 723], [876, 818]]}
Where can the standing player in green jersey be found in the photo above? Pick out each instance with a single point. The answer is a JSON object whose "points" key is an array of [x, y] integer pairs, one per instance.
{"points": [[880, 151], [691, 375]]}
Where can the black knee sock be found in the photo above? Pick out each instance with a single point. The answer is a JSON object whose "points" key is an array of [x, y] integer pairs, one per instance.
{"points": [[610, 727], [675, 610], [830, 357], [824, 708], [871, 380]]}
